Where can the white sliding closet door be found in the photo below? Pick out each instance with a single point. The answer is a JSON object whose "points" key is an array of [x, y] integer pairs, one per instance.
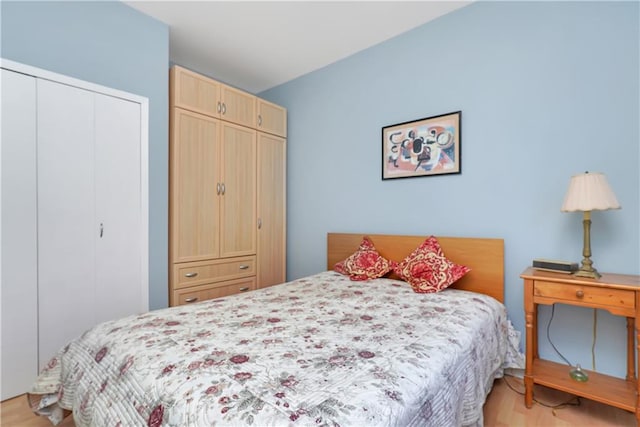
{"points": [[118, 211], [66, 215], [19, 308]]}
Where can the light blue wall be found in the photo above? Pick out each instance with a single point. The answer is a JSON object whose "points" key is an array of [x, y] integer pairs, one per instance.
{"points": [[546, 89], [110, 44]]}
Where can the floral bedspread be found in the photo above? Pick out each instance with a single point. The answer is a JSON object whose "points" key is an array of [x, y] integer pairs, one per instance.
{"points": [[318, 351]]}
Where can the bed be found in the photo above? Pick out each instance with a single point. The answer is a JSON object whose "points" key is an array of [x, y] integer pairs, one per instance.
{"points": [[322, 350]]}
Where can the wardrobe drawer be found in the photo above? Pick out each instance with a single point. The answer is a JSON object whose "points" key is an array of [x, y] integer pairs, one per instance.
{"points": [[585, 294], [211, 291], [200, 272]]}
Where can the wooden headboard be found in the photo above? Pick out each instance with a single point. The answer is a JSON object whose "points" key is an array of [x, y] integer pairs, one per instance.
{"points": [[485, 257]]}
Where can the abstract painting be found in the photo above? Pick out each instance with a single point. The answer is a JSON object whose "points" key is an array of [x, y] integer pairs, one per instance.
{"points": [[425, 147]]}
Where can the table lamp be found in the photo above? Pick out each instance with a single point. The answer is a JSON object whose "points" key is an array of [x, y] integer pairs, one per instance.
{"points": [[588, 192]]}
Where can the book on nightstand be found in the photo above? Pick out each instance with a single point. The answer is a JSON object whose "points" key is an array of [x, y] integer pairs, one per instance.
{"points": [[555, 265]]}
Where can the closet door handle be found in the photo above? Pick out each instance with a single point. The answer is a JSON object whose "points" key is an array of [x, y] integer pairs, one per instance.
{"points": [[223, 189], [259, 223], [244, 267], [192, 299], [259, 119], [218, 188], [190, 274], [101, 230], [224, 108], [219, 106], [245, 289]]}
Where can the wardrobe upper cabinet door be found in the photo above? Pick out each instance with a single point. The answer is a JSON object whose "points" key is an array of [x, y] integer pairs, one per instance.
{"points": [[195, 92], [118, 230], [66, 214], [201, 94], [271, 118], [194, 186], [272, 209], [238, 201], [238, 107], [19, 310]]}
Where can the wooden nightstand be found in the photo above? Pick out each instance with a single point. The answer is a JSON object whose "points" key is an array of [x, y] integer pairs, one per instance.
{"points": [[617, 293]]}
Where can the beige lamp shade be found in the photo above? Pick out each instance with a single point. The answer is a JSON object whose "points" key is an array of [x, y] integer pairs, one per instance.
{"points": [[589, 192]]}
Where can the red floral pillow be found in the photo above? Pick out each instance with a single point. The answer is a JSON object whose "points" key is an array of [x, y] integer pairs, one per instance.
{"points": [[365, 263], [427, 269]]}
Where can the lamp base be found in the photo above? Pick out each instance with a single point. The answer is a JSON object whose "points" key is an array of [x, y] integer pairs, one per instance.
{"points": [[590, 273], [586, 267]]}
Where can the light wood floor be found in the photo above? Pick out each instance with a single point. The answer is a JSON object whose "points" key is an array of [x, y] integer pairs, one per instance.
{"points": [[504, 408]]}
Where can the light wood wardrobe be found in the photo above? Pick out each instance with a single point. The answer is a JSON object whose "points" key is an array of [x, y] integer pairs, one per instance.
{"points": [[227, 191]]}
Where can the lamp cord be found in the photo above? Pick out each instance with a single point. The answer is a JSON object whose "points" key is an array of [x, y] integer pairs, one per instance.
{"points": [[572, 401], [553, 309], [593, 344]]}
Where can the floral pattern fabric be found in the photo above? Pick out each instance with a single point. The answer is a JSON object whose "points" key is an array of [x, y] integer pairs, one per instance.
{"points": [[428, 270], [365, 263], [318, 351]]}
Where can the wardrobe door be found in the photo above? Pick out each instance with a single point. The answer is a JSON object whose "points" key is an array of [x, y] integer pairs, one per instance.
{"points": [[118, 211], [194, 92], [19, 312], [272, 118], [194, 187], [238, 106], [66, 212], [238, 201], [272, 209]]}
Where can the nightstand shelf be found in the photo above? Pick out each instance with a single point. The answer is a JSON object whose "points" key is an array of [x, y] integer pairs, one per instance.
{"points": [[612, 391], [617, 293]]}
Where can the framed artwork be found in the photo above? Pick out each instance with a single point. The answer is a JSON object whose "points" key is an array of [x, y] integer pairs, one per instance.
{"points": [[425, 147]]}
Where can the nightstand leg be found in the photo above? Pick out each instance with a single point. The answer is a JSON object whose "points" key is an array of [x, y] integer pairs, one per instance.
{"points": [[528, 372], [534, 336], [635, 325], [631, 364], [532, 344]]}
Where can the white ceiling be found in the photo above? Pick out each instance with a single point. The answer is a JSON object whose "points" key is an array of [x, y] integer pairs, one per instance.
{"points": [[260, 44]]}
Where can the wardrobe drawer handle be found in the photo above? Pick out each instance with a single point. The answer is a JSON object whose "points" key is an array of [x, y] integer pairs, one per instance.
{"points": [[579, 294], [245, 289], [244, 267], [192, 299], [190, 274]]}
